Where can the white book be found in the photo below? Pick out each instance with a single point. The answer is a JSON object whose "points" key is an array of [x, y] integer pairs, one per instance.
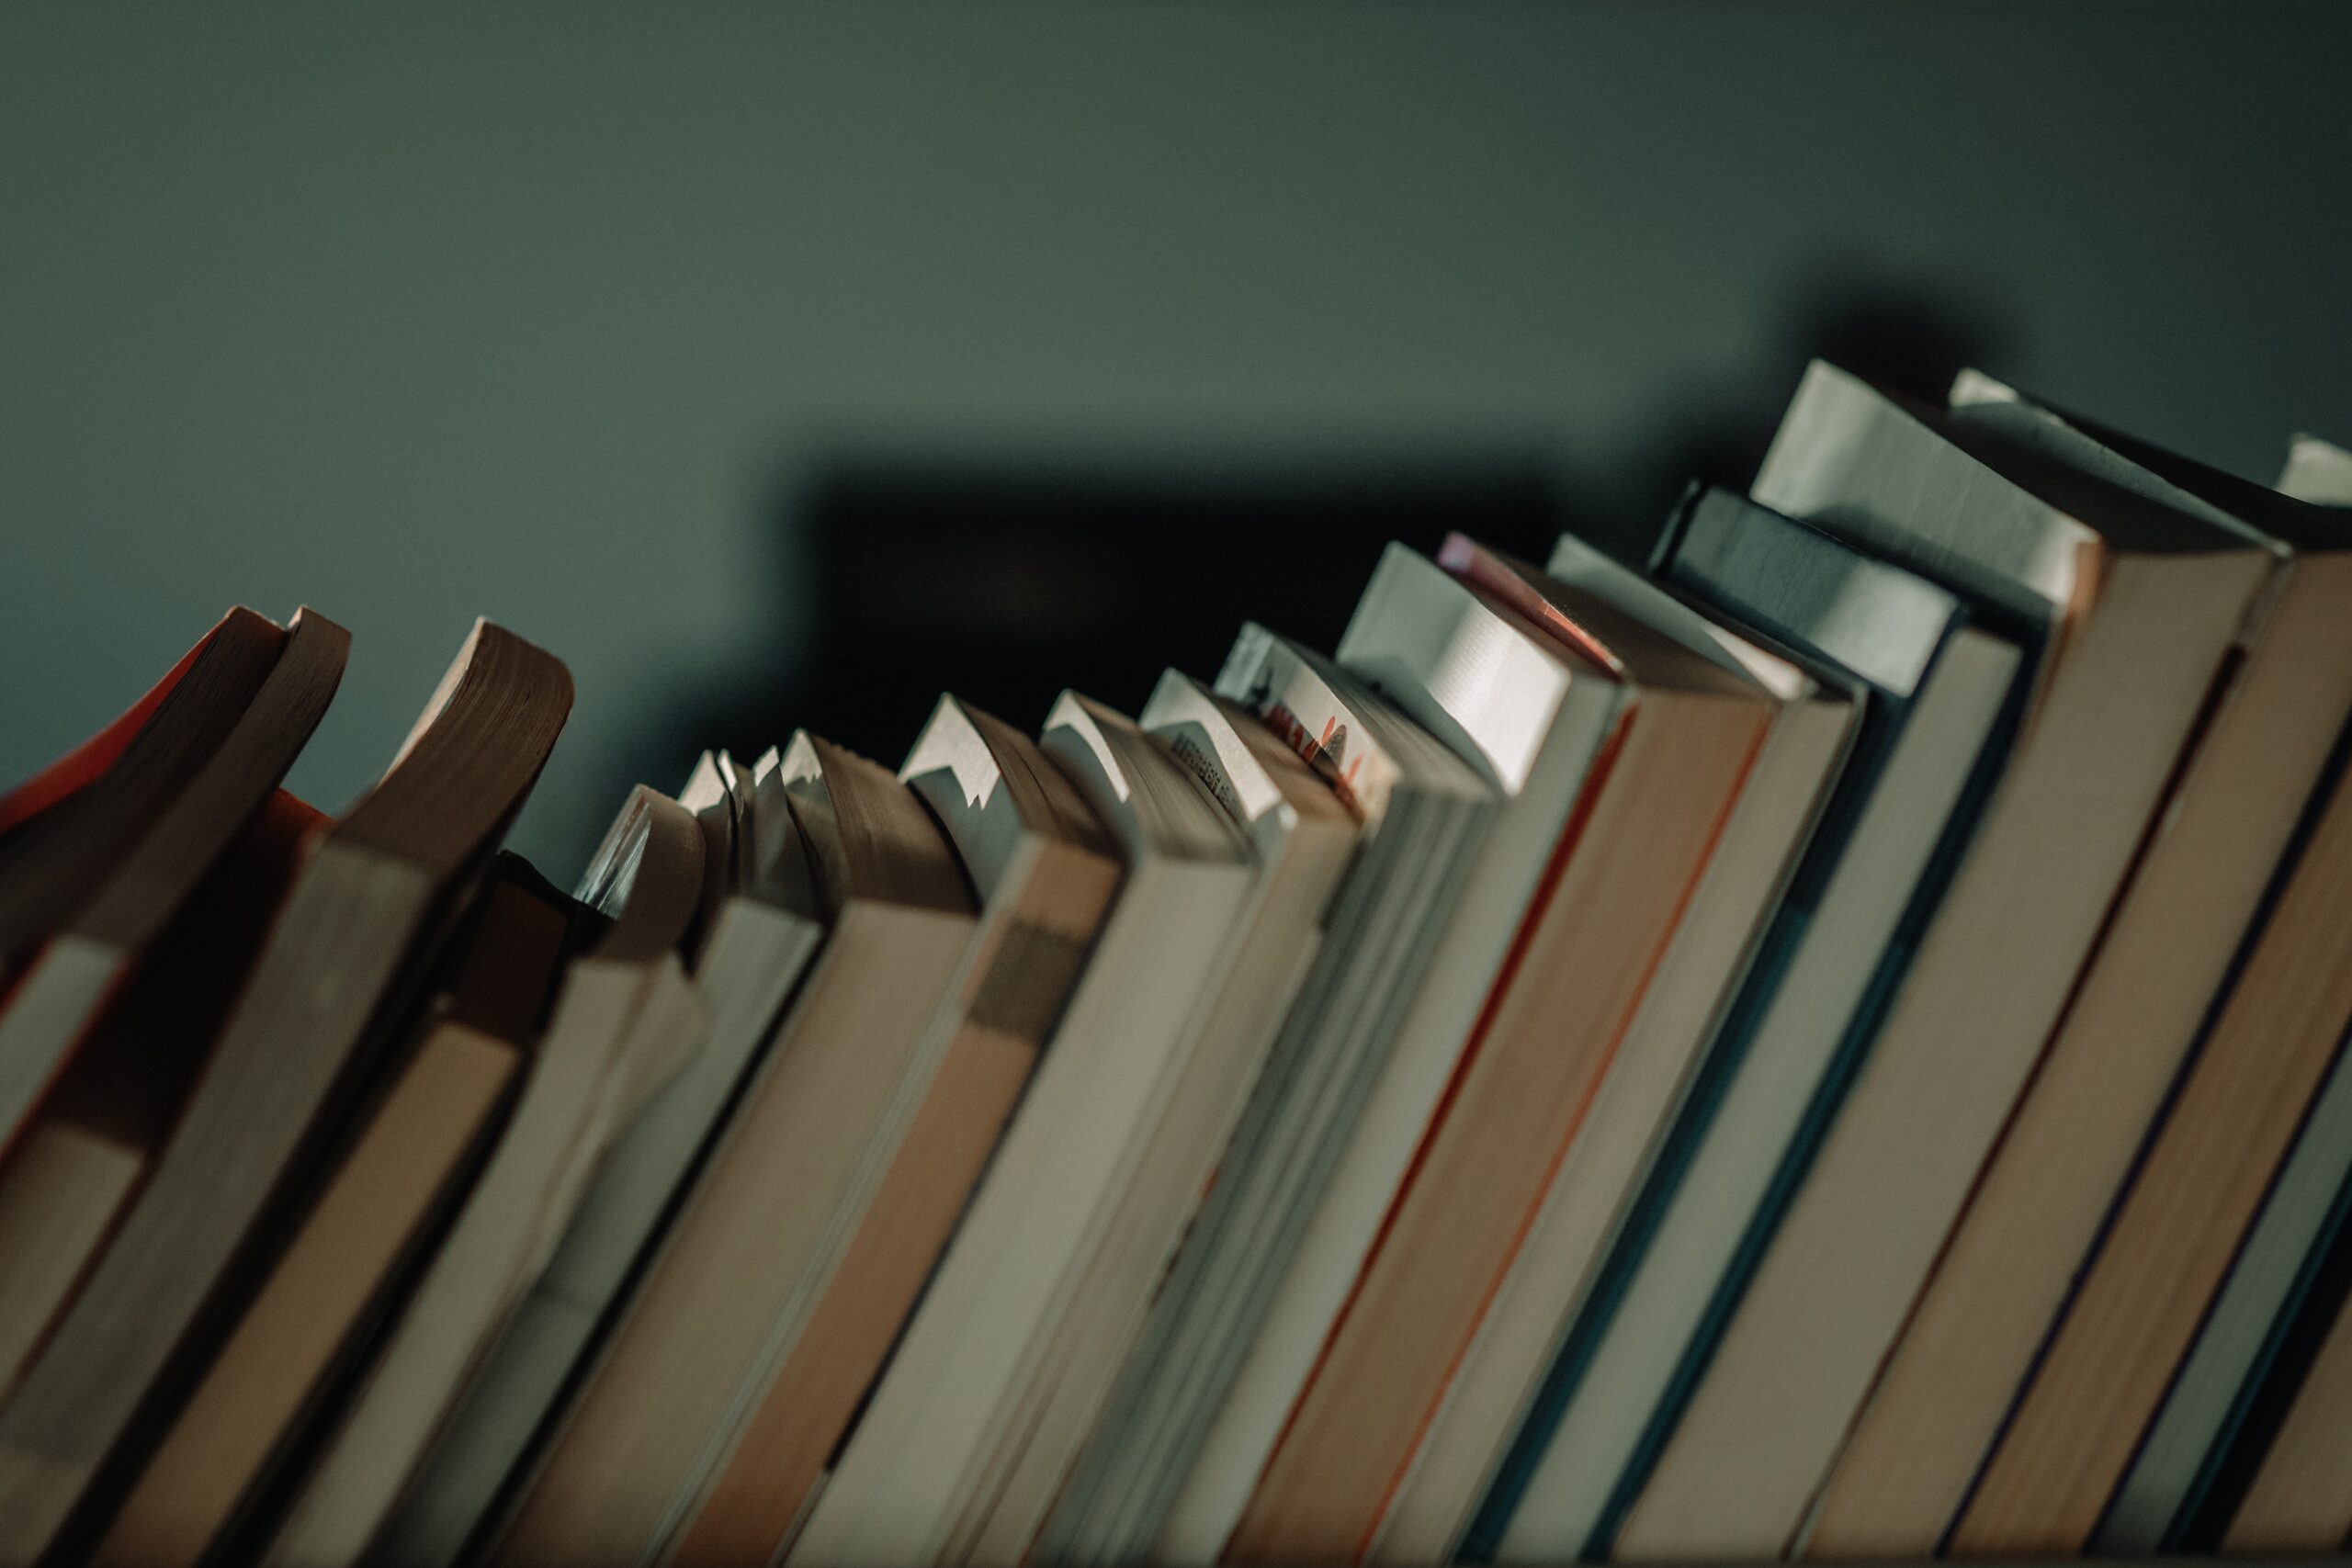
{"points": [[1787, 786], [1158, 968], [1933, 686], [1426, 814], [761, 931], [1304, 840], [2317, 471], [1530, 716]]}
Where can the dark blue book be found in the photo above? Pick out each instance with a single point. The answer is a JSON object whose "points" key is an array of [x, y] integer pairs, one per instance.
{"points": [[1937, 690]]}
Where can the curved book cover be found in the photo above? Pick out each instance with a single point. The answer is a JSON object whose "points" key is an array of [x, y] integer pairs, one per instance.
{"points": [[353, 938]]}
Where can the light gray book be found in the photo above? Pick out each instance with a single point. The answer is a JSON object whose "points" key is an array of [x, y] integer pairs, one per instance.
{"points": [[624, 1021], [761, 927], [1531, 716], [2140, 1004], [743, 1259], [1428, 816], [1304, 840], [899, 1486], [2317, 471], [2142, 603]]}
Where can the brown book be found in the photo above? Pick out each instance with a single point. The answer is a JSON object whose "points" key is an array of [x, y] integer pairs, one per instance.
{"points": [[625, 1018], [745, 1259], [1305, 841], [2168, 1247], [96, 1048], [311, 1023], [67, 986], [87, 812], [82, 1155], [30, 799], [2005, 1273], [1083, 1118], [371, 1214], [759, 933], [1039, 911], [1639, 835], [2300, 1499], [110, 866]]}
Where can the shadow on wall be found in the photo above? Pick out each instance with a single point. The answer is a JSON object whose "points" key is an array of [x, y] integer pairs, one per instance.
{"points": [[1911, 340], [1008, 583]]}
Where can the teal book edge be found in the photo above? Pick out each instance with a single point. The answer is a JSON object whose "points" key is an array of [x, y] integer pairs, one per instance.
{"points": [[1884, 712]]}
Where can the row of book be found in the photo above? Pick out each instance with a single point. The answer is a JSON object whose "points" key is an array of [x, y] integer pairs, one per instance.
{"points": [[1829, 1047]]}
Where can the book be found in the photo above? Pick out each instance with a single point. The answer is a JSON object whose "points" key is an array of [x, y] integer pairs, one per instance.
{"points": [[82, 1152], [2288, 1493], [1048, 874], [625, 1018], [2252, 1354], [1491, 1388], [96, 880], [1304, 838], [758, 926], [1647, 817], [84, 815], [2142, 603], [374, 1213], [1426, 815], [1836, 1043], [1840, 1266], [1533, 720], [1157, 970], [2317, 471], [355, 933], [98, 1047], [2228, 814], [1935, 685], [746, 1256], [2141, 1296], [31, 799]]}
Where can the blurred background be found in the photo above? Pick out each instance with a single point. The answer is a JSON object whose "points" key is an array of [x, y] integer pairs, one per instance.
{"points": [[783, 363]]}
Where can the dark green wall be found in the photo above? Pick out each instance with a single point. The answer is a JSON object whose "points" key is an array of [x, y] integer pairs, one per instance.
{"points": [[549, 312]]}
